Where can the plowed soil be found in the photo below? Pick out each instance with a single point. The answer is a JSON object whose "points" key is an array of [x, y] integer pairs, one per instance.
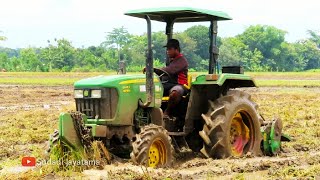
{"points": [[29, 114]]}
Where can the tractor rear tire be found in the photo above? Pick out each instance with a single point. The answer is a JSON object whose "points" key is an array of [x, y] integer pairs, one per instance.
{"points": [[232, 127], [153, 147]]}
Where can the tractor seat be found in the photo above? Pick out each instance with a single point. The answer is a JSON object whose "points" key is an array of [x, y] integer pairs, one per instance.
{"points": [[188, 87]]}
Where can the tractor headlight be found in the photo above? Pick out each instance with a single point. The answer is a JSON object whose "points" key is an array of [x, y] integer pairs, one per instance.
{"points": [[96, 94], [78, 93]]}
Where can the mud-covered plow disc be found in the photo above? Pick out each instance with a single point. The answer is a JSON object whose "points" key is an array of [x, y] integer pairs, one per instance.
{"points": [[73, 142]]}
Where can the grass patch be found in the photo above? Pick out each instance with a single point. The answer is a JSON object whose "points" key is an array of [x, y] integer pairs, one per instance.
{"points": [[263, 79], [39, 81], [312, 172], [299, 110], [287, 75], [26, 134], [287, 83]]}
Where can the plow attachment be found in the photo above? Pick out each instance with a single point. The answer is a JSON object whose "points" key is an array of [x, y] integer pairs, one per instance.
{"points": [[73, 142], [69, 132], [272, 137]]}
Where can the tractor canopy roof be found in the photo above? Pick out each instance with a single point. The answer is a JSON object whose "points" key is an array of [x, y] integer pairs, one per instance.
{"points": [[179, 14]]}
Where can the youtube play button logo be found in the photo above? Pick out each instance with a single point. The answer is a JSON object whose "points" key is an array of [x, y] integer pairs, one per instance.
{"points": [[28, 161]]}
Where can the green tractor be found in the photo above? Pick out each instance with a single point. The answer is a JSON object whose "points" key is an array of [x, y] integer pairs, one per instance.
{"points": [[125, 112]]}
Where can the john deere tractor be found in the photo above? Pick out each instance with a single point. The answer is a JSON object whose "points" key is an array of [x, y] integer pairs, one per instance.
{"points": [[125, 112]]}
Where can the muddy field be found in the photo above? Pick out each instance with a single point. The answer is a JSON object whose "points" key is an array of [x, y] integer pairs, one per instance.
{"points": [[28, 114]]}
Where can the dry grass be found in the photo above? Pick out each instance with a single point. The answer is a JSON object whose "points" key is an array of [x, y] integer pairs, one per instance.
{"points": [[299, 110]]}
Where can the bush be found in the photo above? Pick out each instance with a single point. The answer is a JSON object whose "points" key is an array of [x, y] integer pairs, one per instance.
{"points": [[82, 69], [102, 68], [313, 70]]}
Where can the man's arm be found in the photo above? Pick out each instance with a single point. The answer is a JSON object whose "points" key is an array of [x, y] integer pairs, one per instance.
{"points": [[176, 66]]}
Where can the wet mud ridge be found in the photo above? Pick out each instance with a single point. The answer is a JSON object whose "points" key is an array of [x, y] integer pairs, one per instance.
{"points": [[199, 168]]}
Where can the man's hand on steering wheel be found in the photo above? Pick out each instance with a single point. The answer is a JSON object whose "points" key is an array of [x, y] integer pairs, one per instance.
{"points": [[163, 75]]}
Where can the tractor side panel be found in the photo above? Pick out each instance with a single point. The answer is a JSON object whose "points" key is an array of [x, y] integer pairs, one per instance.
{"points": [[128, 101]]}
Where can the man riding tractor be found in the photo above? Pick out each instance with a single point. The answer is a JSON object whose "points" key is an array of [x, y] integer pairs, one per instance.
{"points": [[213, 116], [177, 71]]}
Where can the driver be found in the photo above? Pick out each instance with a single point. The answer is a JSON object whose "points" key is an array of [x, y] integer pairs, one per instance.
{"points": [[177, 68]]}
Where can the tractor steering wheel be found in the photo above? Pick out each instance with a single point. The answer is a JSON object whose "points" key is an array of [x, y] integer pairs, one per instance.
{"points": [[163, 75]]}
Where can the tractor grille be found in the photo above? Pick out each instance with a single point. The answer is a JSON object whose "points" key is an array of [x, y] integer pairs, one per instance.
{"points": [[104, 107]]}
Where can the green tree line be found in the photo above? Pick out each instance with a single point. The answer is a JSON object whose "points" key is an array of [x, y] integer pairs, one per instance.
{"points": [[258, 48]]}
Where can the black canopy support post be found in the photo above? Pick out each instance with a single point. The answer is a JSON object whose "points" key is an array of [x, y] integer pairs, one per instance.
{"points": [[169, 28], [213, 49], [149, 68], [169, 33]]}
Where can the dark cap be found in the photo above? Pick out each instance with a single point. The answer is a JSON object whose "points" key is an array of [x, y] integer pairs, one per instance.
{"points": [[172, 43]]}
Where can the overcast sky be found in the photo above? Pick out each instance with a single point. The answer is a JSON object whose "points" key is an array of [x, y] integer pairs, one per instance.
{"points": [[86, 22]]}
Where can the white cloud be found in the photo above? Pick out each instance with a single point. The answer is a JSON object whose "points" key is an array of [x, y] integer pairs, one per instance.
{"points": [[85, 22]]}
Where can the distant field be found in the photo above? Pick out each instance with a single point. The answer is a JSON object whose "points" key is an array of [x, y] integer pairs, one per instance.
{"points": [[263, 79], [287, 79]]}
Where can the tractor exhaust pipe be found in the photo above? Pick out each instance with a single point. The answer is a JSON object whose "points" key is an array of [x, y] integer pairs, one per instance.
{"points": [[149, 68]]}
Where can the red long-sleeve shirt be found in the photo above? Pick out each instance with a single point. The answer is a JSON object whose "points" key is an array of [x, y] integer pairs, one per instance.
{"points": [[178, 69]]}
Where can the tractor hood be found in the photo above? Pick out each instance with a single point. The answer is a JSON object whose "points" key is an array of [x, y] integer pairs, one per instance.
{"points": [[119, 97], [109, 81]]}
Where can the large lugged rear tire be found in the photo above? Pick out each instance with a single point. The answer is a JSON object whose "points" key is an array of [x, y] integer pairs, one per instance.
{"points": [[153, 147], [232, 127]]}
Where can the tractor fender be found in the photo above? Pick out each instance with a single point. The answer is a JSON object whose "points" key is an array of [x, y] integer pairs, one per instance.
{"points": [[238, 83], [232, 80], [203, 89], [156, 116]]}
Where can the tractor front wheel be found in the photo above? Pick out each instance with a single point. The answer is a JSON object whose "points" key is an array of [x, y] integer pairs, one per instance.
{"points": [[232, 127], [152, 147]]}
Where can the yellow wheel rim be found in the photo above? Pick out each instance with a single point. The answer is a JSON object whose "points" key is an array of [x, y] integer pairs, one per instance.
{"points": [[239, 134], [157, 153]]}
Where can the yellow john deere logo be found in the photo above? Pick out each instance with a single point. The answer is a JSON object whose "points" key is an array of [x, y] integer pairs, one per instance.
{"points": [[86, 93]]}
